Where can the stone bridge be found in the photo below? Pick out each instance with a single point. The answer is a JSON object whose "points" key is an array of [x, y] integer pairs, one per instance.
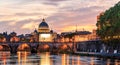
{"points": [[34, 47]]}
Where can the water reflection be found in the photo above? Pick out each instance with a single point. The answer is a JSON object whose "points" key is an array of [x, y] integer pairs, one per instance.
{"points": [[117, 62], [78, 60], [108, 62], [45, 59], [25, 58], [3, 57], [63, 59], [22, 57], [92, 61]]}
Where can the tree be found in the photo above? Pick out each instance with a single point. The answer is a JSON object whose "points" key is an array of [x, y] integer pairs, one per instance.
{"points": [[109, 24]]}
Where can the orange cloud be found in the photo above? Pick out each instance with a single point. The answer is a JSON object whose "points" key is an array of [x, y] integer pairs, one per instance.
{"points": [[30, 26]]}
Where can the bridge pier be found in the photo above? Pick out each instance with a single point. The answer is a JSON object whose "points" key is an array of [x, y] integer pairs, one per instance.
{"points": [[13, 50], [33, 47], [33, 50]]}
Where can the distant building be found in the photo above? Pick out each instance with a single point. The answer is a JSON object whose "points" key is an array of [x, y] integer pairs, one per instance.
{"points": [[14, 37], [45, 34], [94, 36], [64, 37], [78, 36], [2, 38], [34, 36], [81, 36]]}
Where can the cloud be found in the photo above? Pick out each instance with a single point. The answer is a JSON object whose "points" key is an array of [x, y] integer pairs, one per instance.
{"points": [[61, 15], [56, 0], [30, 25]]}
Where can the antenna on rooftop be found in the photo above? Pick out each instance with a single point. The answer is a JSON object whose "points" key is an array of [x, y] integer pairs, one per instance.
{"points": [[83, 29], [76, 29]]}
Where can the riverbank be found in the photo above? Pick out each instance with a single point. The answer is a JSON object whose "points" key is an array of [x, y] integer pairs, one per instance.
{"points": [[105, 55], [94, 54]]}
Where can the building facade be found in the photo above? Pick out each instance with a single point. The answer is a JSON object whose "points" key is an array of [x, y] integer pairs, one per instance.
{"points": [[45, 34], [78, 36]]}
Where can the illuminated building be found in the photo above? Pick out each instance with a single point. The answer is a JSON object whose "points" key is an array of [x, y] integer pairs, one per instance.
{"points": [[81, 36], [45, 34], [78, 36], [3, 39], [94, 36], [14, 37], [34, 36], [43, 27]]}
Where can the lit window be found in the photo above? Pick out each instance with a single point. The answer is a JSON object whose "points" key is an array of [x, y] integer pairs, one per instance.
{"points": [[45, 35]]}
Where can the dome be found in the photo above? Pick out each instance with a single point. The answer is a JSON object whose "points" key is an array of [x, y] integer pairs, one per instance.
{"points": [[43, 24], [35, 31], [43, 27], [51, 31], [13, 33]]}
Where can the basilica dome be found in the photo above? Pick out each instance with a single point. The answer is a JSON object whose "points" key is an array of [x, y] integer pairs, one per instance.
{"points": [[43, 26]]}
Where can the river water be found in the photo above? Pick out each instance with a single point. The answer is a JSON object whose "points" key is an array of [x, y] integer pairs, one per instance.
{"points": [[25, 58]]}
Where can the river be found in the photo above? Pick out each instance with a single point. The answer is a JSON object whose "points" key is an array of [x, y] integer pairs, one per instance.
{"points": [[26, 58]]}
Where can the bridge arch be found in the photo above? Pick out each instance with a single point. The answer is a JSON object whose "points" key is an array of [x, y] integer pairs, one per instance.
{"points": [[24, 47], [5, 47], [64, 48], [43, 47]]}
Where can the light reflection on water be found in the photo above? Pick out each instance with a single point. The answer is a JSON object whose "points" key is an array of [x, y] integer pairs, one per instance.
{"points": [[25, 58]]}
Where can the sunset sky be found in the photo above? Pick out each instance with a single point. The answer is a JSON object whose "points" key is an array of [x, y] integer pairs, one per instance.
{"points": [[23, 16]]}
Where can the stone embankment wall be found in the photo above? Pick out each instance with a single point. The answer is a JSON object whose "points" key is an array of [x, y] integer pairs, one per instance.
{"points": [[97, 47]]}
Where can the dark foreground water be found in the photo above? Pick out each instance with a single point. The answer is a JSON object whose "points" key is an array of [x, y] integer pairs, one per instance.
{"points": [[25, 58]]}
